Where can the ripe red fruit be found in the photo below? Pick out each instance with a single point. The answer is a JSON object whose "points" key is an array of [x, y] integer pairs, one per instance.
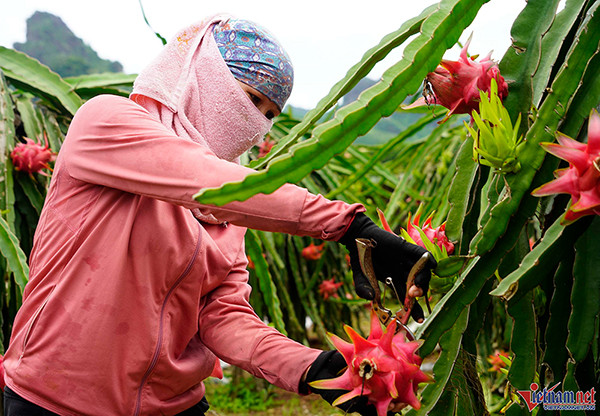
{"points": [[456, 84], [383, 367], [329, 288], [32, 157], [312, 252]]}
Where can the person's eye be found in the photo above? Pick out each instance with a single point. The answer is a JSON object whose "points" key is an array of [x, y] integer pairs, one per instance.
{"points": [[269, 115], [255, 99]]}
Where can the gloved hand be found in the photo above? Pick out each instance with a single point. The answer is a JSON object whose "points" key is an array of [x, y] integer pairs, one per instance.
{"points": [[392, 257], [331, 364]]}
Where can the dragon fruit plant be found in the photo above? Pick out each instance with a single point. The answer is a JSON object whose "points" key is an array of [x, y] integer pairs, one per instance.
{"points": [[582, 178], [383, 367]]}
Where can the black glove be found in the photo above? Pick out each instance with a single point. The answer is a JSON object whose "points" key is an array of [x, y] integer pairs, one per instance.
{"points": [[392, 257], [331, 364]]}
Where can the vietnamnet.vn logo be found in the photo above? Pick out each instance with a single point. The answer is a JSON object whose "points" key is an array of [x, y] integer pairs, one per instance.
{"points": [[551, 399]]}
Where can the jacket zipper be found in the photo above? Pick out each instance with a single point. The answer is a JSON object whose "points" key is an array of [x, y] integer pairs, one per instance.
{"points": [[159, 343]]}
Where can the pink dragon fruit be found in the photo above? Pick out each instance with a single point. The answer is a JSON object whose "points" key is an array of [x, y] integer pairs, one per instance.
{"points": [[32, 157], [265, 147], [582, 178], [312, 252], [328, 288], [383, 367], [456, 84]]}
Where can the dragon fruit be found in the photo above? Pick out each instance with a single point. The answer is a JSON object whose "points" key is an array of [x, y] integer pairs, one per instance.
{"points": [[32, 157], [265, 147], [328, 288], [582, 178], [312, 252], [383, 367], [456, 84]]}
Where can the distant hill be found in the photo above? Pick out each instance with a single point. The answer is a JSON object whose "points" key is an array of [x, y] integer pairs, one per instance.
{"points": [[51, 42]]}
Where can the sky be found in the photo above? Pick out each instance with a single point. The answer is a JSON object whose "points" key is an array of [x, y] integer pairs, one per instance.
{"points": [[323, 38]]}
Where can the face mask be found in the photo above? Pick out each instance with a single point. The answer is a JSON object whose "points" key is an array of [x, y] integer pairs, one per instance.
{"points": [[219, 109]]}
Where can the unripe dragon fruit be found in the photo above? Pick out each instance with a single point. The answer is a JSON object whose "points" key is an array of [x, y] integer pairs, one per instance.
{"points": [[384, 368], [456, 84], [32, 157], [582, 178]]}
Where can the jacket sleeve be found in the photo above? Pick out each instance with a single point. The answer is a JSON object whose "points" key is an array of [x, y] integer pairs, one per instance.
{"points": [[231, 329], [116, 143]]}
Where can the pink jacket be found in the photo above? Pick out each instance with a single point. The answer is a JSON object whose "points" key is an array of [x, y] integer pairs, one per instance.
{"points": [[130, 297]]}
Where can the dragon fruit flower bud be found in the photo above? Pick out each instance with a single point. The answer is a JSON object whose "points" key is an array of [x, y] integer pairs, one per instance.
{"points": [[496, 142], [456, 84], [582, 178], [435, 235], [32, 157]]}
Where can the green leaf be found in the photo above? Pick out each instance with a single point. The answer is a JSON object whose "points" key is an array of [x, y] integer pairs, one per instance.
{"points": [[450, 266], [89, 86], [523, 343], [15, 257], [30, 75], [564, 87], [458, 195], [30, 118], [521, 61], [108, 79], [267, 287], [7, 141], [469, 284], [545, 256], [585, 99], [352, 77], [552, 42], [585, 296], [555, 353], [450, 343], [381, 153], [439, 31], [32, 192]]}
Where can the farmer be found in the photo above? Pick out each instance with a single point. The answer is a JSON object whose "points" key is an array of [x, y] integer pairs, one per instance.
{"points": [[135, 288]]}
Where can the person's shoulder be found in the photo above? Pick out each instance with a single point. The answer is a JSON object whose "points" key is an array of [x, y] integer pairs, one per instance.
{"points": [[108, 101], [107, 106]]}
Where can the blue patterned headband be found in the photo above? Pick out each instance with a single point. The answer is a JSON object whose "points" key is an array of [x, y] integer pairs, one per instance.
{"points": [[256, 58]]}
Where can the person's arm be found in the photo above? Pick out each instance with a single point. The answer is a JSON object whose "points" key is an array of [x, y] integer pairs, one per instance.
{"points": [[231, 329], [116, 143]]}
